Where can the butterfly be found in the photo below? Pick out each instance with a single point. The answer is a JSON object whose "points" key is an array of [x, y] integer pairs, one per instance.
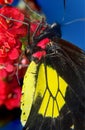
{"points": [[53, 93]]}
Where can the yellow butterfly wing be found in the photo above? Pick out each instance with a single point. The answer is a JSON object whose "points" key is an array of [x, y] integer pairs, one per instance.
{"points": [[28, 90], [49, 87], [42, 94]]}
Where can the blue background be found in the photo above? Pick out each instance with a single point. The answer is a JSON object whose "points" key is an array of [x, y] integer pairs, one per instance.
{"points": [[12, 125], [75, 9]]}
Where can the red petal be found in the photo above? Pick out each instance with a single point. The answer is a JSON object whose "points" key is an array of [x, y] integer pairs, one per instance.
{"points": [[9, 68], [3, 74], [5, 2], [14, 101], [14, 54]]}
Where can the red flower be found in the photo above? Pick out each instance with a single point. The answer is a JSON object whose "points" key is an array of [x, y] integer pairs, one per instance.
{"points": [[14, 94], [4, 89], [9, 48], [13, 23], [10, 93], [12, 12], [12, 30], [13, 99], [3, 74], [2, 2], [14, 54], [9, 67]]}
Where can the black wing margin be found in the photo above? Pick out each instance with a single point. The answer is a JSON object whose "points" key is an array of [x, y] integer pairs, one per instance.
{"points": [[69, 61]]}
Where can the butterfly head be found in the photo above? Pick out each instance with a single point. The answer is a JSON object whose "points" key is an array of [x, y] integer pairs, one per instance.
{"points": [[37, 49]]}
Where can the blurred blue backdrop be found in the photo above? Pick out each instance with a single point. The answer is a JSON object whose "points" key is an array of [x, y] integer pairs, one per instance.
{"points": [[73, 11], [12, 125], [15, 2]]}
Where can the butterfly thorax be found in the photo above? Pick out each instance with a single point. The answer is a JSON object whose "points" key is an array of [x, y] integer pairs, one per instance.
{"points": [[40, 44]]}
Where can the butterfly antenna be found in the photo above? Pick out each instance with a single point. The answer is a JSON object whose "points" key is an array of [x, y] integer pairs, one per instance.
{"points": [[72, 21], [64, 4], [75, 20]]}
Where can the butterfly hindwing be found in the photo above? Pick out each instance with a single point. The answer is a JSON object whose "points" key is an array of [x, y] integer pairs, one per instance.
{"points": [[69, 61], [48, 97]]}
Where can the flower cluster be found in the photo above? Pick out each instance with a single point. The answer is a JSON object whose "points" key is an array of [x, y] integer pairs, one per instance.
{"points": [[11, 32]]}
